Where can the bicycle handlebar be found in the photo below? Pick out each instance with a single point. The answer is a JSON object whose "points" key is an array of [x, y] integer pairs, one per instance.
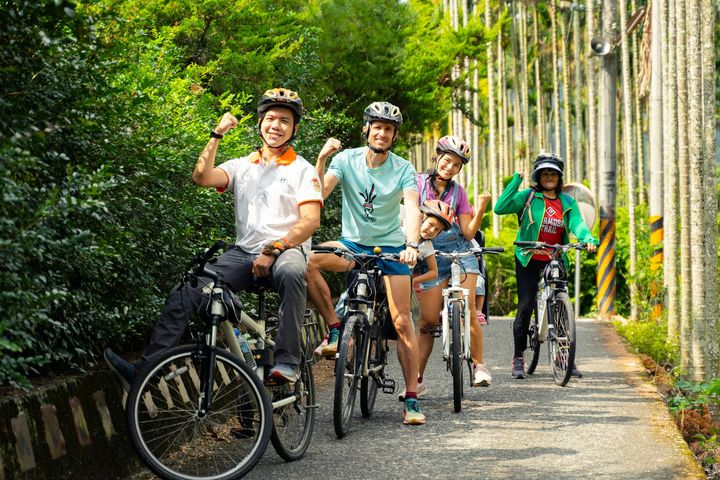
{"points": [[472, 251], [341, 252], [525, 245]]}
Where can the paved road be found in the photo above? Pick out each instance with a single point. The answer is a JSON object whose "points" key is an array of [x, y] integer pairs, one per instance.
{"points": [[608, 425]]}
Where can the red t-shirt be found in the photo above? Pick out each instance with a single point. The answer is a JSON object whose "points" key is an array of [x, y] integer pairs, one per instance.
{"points": [[552, 228]]}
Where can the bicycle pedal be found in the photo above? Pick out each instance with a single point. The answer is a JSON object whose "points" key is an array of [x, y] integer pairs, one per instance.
{"points": [[435, 331], [388, 386]]}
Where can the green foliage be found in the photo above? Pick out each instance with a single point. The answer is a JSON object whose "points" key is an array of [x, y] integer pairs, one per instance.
{"points": [[691, 395], [649, 337]]}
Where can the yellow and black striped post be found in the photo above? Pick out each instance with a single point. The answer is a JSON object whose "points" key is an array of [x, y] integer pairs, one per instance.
{"points": [[656, 262], [606, 265]]}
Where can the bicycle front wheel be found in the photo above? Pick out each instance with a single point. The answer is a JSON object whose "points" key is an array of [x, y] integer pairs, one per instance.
{"points": [[175, 439], [347, 374], [532, 353], [456, 355], [294, 421], [376, 366], [561, 344]]}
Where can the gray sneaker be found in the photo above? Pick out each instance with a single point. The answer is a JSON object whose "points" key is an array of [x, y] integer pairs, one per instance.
{"points": [[518, 369]]}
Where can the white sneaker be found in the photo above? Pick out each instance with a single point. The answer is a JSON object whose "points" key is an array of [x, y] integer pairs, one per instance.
{"points": [[422, 390], [481, 376]]}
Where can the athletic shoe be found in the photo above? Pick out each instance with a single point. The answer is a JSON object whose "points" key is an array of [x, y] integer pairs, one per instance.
{"points": [[574, 372], [481, 318], [330, 348], [422, 390], [126, 371], [318, 351], [284, 372], [518, 369], [481, 376], [412, 414]]}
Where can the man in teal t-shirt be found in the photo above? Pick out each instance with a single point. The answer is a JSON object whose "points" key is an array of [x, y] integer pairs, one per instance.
{"points": [[374, 181]]}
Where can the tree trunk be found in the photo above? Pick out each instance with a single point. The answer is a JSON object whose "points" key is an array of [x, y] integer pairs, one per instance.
{"points": [[539, 106], [629, 143], [590, 85], [685, 269], [556, 83], [492, 140], [711, 339], [698, 258], [524, 95], [670, 197], [579, 172], [637, 124], [565, 78]]}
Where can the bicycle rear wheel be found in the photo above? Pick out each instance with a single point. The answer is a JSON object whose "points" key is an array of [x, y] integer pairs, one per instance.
{"points": [[294, 422], [532, 353], [347, 374], [456, 355], [369, 384], [561, 344], [175, 439]]}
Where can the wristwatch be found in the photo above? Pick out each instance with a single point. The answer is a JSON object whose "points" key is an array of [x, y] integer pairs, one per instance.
{"points": [[412, 245], [214, 134]]}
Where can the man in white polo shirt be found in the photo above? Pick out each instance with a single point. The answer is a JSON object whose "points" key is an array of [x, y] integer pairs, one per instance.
{"points": [[277, 208]]}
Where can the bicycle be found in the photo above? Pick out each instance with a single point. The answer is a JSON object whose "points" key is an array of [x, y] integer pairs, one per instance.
{"points": [[362, 350], [554, 317], [199, 411], [453, 329]]}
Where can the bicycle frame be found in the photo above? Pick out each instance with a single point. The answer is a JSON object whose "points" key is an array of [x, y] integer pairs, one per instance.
{"points": [[549, 285], [458, 297]]}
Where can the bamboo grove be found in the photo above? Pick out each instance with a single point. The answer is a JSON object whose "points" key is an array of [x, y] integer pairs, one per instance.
{"points": [[579, 79]]}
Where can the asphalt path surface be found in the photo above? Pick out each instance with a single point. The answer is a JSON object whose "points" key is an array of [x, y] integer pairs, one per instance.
{"points": [[609, 424]]}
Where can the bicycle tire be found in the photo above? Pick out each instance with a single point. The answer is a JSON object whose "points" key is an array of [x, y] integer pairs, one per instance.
{"points": [[456, 355], [177, 443], [561, 347], [347, 374], [369, 384], [293, 423], [532, 353]]}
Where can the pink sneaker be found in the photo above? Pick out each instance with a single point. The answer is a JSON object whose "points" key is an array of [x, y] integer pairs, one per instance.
{"points": [[481, 318]]}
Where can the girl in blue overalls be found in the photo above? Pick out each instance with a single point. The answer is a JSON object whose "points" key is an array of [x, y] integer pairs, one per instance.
{"points": [[451, 154]]}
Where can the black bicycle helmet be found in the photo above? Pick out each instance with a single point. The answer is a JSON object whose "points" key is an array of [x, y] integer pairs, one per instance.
{"points": [[547, 161]]}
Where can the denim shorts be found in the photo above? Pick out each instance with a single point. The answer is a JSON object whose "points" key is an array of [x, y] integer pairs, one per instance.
{"points": [[480, 287], [387, 267]]}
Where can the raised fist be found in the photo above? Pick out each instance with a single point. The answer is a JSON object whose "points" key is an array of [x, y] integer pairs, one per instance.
{"points": [[331, 146], [227, 123]]}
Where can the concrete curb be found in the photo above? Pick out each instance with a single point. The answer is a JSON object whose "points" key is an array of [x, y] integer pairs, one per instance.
{"points": [[71, 429]]}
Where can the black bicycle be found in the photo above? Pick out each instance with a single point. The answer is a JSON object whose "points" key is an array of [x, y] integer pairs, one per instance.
{"points": [[362, 350], [554, 317], [201, 412]]}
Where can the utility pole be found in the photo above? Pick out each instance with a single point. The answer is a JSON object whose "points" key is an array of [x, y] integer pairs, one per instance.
{"points": [[607, 160]]}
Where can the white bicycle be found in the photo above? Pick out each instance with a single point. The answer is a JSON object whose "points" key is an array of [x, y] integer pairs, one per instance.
{"points": [[554, 316], [454, 330]]}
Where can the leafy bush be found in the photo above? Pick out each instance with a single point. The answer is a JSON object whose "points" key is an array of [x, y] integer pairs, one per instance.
{"points": [[649, 337]]}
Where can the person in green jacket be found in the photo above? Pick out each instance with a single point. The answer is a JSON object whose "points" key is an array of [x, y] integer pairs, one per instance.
{"points": [[545, 214]]}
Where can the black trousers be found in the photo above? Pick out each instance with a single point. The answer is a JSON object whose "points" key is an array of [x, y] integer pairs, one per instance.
{"points": [[287, 276], [527, 285]]}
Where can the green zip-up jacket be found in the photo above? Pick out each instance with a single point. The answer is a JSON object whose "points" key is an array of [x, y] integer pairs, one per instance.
{"points": [[513, 201]]}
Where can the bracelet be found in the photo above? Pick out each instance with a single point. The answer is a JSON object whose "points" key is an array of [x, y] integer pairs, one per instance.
{"points": [[275, 248], [214, 134]]}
